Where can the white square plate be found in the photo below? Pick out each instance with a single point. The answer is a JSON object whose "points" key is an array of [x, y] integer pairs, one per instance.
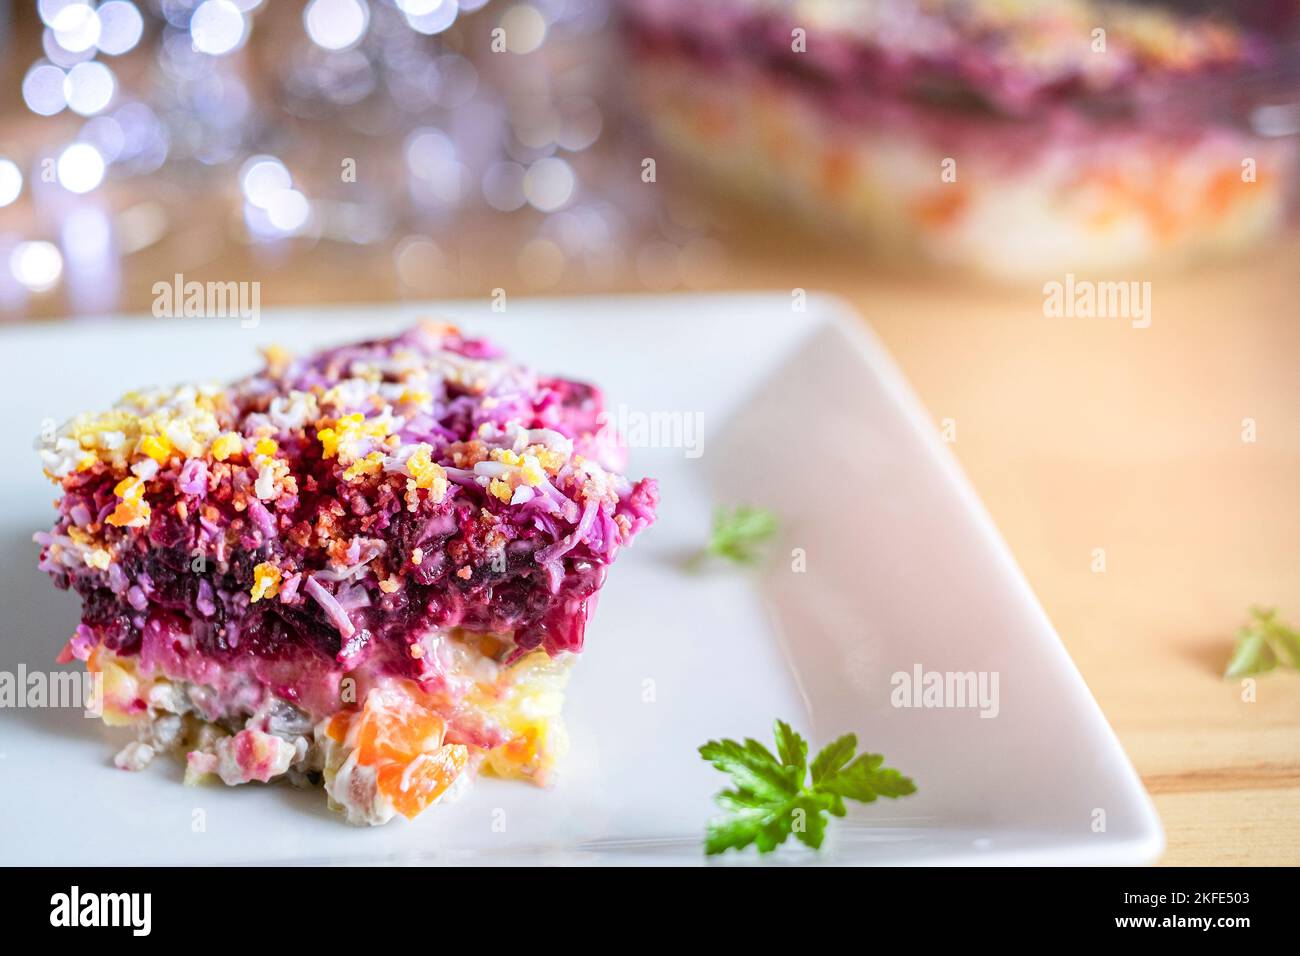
{"points": [[800, 412]]}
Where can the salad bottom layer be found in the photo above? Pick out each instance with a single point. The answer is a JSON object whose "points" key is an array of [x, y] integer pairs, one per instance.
{"points": [[390, 746], [1013, 201]]}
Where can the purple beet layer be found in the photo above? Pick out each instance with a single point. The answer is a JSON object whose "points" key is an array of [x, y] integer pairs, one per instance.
{"points": [[333, 510]]}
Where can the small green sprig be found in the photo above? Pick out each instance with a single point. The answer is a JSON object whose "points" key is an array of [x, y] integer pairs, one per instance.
{"points": [[739, 533], [773, 796], [1263, 644]]}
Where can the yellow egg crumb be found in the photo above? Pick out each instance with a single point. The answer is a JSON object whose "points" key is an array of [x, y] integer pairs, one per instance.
{"points": [[266, 582], [506, 456], [156, 447], [426, 473], [370, 465], [415, 396], [329, 442], [531, 471], [129, 489], [227, 445], [348, 437], [549, 459]]}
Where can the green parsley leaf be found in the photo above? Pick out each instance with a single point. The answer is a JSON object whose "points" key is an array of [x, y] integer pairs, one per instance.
{"points": [[1263, 644], [752, 768], [739, 533], [808, 821], [865, 779], [792, 748], [834, 756], [774, 798]]}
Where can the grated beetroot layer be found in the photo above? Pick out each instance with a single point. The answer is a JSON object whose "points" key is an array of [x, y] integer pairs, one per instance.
{"points": [[528, 568]]}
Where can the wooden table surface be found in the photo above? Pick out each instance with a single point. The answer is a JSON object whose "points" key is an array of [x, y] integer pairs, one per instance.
{"points": [[1078, 434], [1081, 434]]}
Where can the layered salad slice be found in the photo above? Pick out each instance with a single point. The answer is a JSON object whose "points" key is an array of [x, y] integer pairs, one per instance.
{"points": [[367, 568]]}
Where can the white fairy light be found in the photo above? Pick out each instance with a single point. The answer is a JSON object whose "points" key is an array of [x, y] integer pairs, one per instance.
{"points": [[36, 265], [430, 18], [89, 87], [549, 184], [80, 168], [56, 54], [76, 27], [49, 10], [11, 181], [288, 210], [336, 24], [262, 178], [121, 27], [428, 147], [418, 8], [43, 89], [217, 27]]}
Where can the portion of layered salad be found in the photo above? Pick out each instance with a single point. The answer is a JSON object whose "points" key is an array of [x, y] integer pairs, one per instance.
{"points": [[367, 568], [1013, 137]]}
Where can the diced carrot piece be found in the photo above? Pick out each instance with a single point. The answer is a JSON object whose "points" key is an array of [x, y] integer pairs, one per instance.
{"points": [[397, 734], [337, 728], [411, 787]]}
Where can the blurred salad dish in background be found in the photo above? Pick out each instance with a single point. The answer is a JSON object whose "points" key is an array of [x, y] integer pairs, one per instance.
{"points": [[1014, 138]]}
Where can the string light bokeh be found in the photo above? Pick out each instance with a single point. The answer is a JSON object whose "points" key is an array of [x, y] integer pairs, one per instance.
{"points": [[451, 146]]}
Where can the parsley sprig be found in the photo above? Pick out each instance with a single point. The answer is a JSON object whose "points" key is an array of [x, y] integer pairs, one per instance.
{"points": [[1263, 644], [739, 533], [773, 796]]}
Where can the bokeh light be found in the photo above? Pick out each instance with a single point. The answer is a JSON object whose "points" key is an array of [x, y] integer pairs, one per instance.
{"points": [[11, 181], [80, 168], [336, 24], [525, 28], [36, 265], [288, 210], [121, 27], [105, 133], [430, 17], [217, 28], [59, 56], [77, 27], [89, 87], [549, 184], [503, 186], [261, 178], [43, 89]]}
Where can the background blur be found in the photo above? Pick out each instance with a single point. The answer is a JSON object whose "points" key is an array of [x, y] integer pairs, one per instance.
{"points": [[935, 163], [368, 150]]}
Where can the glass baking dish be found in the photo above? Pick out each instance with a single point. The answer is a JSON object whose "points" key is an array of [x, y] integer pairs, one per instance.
{"points": [[1016, 139]]}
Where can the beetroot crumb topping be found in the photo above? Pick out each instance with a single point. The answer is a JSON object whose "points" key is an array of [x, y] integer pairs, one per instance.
{"points": [[330, 510]]}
